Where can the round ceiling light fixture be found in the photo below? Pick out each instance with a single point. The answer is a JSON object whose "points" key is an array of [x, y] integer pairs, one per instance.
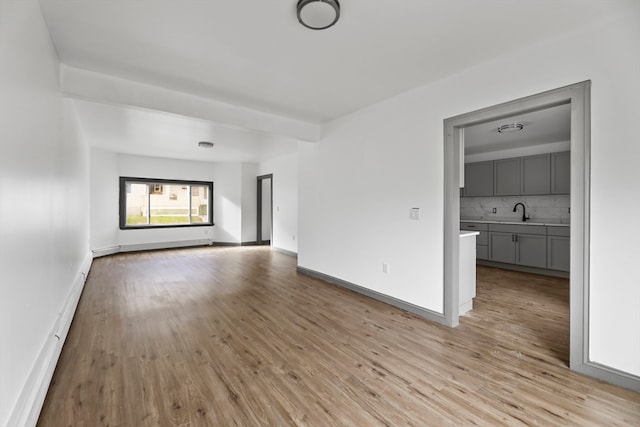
{"points": [[318, 14], [511, 127], [205, 144]]}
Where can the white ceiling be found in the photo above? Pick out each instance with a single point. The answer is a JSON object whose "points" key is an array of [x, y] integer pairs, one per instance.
{"points": [[540, 127], [153, 133], [254, 53]]}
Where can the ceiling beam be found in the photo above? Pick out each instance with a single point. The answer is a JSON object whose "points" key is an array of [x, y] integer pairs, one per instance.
{"points": [[93, 86]]}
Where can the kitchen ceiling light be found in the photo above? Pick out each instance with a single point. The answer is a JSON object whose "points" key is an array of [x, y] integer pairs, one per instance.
{"points": [[205, 144], [318, 14], [511, 127]]}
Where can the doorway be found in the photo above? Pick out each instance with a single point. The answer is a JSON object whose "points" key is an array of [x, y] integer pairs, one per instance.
{"points": [[578, 96], [264, 232]]}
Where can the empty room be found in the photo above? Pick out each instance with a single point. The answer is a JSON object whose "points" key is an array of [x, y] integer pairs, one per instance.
{"points": [[319, 213]]}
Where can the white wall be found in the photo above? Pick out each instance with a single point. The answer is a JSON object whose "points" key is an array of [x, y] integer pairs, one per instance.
{"points": [[104, 199], [44, 232], [285, 200], [234, 199], [357, 184], [249, 202]]}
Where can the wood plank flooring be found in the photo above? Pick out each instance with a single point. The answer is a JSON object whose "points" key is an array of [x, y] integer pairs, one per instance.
{"points": [[235, 337]]}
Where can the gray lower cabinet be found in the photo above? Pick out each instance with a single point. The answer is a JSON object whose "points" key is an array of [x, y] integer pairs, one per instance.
{"points": [[518, 244], [531, 250], [503, 247], [528, 245], [558, 248]]}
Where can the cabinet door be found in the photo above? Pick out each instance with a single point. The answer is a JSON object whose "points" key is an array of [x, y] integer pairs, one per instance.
{"points": [[478, 179], [502, 247], [506, 177], [531, 250], [536, 175], [482, 252], [558, 253], [561, 173]]}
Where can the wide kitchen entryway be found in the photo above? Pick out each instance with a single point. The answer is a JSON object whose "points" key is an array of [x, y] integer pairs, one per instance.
{"points": [[235, 336]]}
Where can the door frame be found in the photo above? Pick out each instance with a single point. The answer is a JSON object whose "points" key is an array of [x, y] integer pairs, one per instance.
{"points": [[578, 95], [259, 180]]}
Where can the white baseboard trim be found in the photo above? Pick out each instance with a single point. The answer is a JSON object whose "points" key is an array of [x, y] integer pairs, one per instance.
{"points": [[164, 245], [29, 404], [97, 253]]}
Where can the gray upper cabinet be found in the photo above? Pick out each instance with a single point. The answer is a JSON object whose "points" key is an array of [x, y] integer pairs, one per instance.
{"points": [[536, 176], [478, 179], [531, 176], [561, 173], [506, 177]]}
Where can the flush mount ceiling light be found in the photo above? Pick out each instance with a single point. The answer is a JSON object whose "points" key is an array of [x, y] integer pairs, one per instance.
{"points": [[511, 127], [205, 144], [318, 14]]}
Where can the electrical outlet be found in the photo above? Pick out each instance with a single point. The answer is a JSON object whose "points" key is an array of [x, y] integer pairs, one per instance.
{"points": [[414, 213], [294, 237], [494, 210]]}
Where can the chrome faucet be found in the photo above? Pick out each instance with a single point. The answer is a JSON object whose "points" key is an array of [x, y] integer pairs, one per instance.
{"points": [[524, 211]]}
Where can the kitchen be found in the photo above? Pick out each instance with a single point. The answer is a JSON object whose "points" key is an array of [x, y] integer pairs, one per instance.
{"points": [[516, 196]]}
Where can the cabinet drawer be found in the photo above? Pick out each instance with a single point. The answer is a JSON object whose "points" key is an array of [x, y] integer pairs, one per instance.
{"points": [[518, 229], [559, 231], [474, 226]]}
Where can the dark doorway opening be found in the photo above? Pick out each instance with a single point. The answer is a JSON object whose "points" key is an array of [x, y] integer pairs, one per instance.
{"points": [[264, 233]]}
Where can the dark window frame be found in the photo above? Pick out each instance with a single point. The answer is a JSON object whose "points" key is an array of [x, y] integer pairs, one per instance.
{"points": [[135, 180]]}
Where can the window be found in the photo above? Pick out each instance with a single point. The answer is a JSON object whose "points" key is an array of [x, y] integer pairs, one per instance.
{"points": [[155, 203]]}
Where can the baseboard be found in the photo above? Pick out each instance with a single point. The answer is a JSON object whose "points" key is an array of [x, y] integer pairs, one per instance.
{"points": [[31, 399], [523, 268], [609, 375], [420, 311], [284, 251], [97, 253], [164, 245], [233, 243], [137, 247]]}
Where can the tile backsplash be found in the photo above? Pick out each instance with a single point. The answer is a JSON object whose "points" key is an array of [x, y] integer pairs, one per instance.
{"points": [[538, 207]]}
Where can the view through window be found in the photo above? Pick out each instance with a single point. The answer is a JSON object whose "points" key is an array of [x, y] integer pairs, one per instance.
{"points": [[152, 203]]}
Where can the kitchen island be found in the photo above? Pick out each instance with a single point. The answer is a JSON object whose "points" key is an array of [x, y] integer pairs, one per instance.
{"points": [[467, 271]]}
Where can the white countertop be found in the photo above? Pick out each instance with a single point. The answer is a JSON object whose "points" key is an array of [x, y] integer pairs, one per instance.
{"points": [[465, 233], [537, 221]]}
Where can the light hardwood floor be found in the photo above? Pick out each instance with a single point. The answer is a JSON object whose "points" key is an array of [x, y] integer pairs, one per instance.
{"points": [[235, 337]]}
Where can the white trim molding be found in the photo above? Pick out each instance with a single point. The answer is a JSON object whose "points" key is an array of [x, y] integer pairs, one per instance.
{"points": [[27, 408], [578, 95]]}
